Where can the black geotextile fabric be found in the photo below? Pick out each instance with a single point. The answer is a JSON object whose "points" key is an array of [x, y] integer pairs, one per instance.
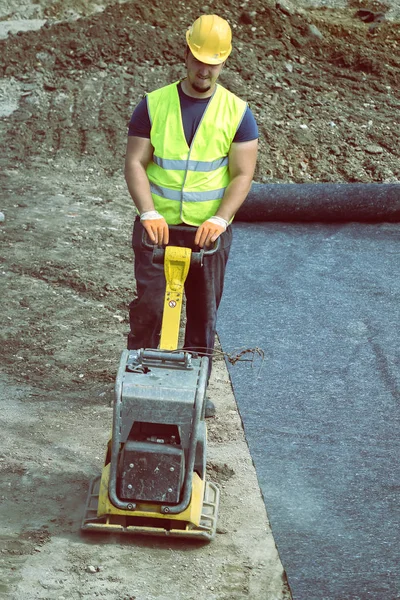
{"points": [[321, 412]]}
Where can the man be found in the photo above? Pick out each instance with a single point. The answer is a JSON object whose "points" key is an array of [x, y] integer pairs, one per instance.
{"points": [[190, 160]]}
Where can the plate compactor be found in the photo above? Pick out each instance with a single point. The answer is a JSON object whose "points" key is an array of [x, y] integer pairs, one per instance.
{"points": [[153, 479]]}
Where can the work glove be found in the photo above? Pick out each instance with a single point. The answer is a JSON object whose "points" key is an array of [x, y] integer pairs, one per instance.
{"points": [[156, 227], [209, 231]]}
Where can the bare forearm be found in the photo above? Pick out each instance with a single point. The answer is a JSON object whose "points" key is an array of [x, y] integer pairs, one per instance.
{"points": [[235, 195], [139, 187]]}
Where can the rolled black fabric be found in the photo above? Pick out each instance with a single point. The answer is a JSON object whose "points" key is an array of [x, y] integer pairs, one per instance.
{"points": [[322, 202]]}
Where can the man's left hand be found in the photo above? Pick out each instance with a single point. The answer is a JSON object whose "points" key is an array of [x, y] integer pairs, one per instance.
{"points": [[209, 231]]}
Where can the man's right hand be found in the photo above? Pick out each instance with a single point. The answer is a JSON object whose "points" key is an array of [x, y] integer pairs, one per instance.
{"points": [[156, 227]]}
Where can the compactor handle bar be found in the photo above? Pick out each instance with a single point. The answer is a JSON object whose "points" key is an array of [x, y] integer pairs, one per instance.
{"points": [[196, 257]]}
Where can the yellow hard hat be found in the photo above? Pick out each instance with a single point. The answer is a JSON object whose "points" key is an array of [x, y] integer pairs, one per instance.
{"points": [[209, 39]]}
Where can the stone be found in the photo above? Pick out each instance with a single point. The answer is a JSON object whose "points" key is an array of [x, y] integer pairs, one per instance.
{"points": [[91, 569], [313, 31], [373, 149], [286, 7]]}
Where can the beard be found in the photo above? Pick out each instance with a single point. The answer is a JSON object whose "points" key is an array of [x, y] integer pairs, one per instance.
{"points": [[201, 89]]}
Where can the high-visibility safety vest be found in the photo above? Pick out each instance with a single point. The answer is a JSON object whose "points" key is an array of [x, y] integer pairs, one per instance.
{"points": [[188, 183]]}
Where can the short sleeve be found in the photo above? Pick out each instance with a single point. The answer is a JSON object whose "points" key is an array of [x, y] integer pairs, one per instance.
{"points": [[139, 124], [247, 129]]}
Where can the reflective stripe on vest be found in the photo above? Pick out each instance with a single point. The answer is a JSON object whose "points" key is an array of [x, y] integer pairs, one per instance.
{"points": [[180, 195], [187, 184], [191, 165]]}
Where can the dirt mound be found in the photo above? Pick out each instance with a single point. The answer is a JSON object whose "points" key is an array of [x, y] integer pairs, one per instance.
{"points": [[303, 73]]}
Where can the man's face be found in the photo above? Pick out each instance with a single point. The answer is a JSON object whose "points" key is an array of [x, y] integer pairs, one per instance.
{"points": [[202, 77]]}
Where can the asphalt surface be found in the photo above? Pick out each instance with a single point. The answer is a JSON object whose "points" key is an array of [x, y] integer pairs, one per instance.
{"points": [[321, 412]]}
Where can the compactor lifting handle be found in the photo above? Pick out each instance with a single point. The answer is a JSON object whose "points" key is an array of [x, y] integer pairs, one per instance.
{"points": [[159, 251]]}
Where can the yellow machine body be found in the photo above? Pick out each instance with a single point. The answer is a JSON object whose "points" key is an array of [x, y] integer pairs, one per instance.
{"points": [[198, 521], [191, 515]]}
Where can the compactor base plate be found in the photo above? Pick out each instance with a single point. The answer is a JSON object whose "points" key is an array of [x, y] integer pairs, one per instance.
{"points": [[153, 524]]}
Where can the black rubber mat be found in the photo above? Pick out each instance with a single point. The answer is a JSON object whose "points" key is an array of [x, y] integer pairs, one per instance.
{"points": [[321, 412]]}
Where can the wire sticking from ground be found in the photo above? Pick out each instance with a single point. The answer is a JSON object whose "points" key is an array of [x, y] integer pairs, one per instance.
{"points": [[234, 356]]}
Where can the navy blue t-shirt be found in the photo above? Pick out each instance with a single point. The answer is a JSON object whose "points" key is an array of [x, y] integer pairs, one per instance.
{"points": [[192, 110]]}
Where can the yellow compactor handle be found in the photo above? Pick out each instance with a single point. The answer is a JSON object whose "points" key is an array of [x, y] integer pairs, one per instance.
{"points": [[176, 268]]}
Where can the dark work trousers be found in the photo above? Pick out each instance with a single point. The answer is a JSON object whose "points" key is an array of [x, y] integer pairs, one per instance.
{"points": [[203, 290]]}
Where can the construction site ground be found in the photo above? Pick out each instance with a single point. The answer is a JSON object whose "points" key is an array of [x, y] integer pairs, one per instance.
{"points": [[324, 87]]}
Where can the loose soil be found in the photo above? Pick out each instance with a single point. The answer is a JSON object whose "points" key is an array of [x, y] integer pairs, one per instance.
{"points": [[324, 87]]}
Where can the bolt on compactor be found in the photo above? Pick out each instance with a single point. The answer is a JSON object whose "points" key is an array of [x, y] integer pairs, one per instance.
{"points": [[153, 480]]}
